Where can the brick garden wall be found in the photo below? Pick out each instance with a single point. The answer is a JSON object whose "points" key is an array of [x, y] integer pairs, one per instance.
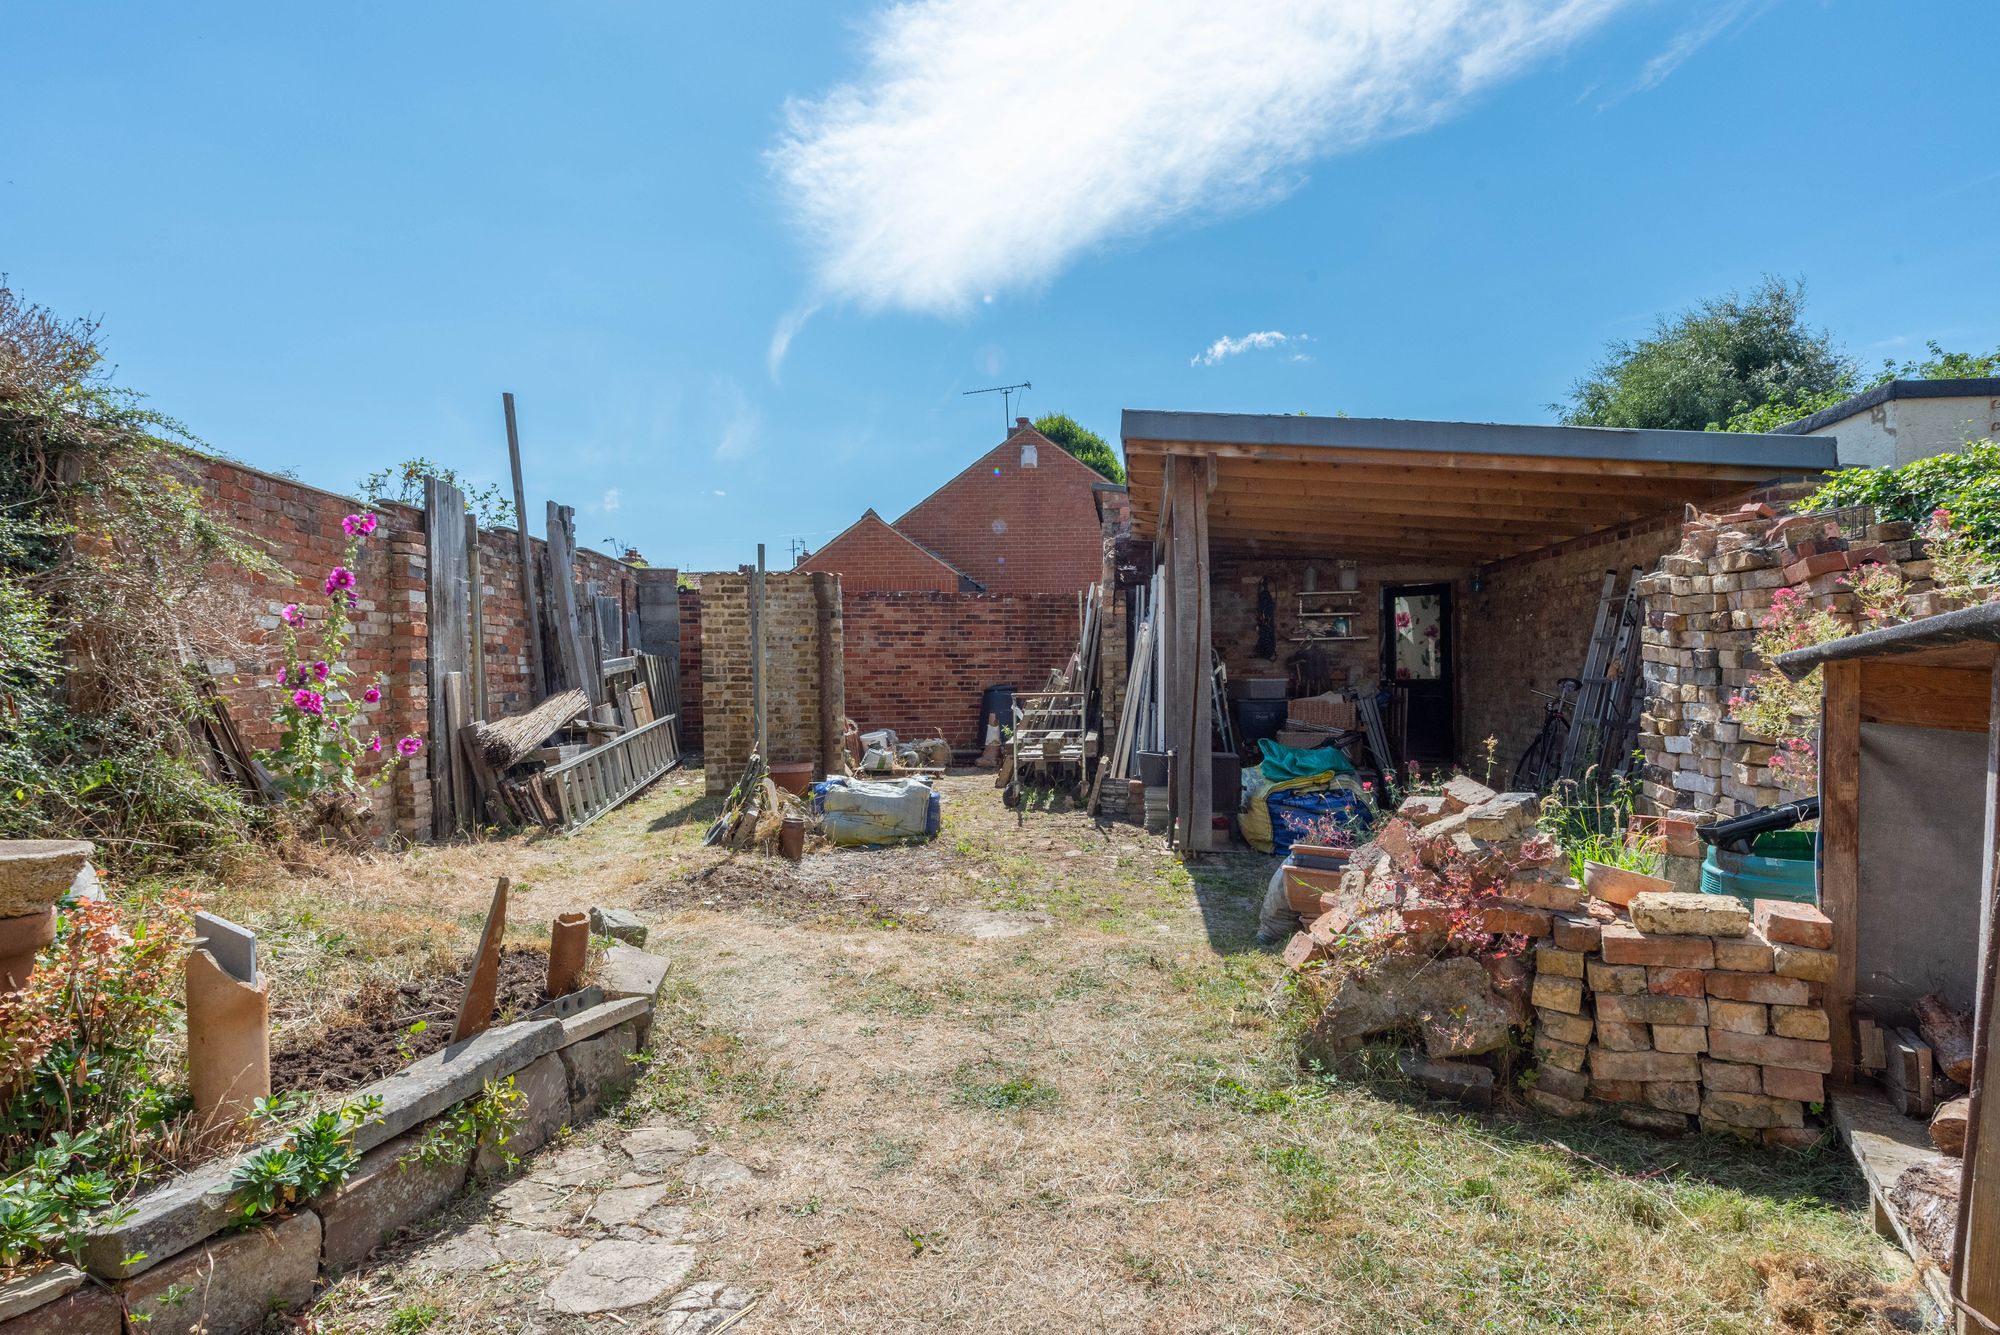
{"points": [[792, 684], [918, 662], [299, 527], [1530, 624], [691, 734]]}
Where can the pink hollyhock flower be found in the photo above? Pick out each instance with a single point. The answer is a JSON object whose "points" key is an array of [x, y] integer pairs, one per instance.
{"points": [[320, 669], [339, 578], [367, 525], [375, 744], [291, 614], [309, 701], [372, 694], [409, 746], [357, 525]]}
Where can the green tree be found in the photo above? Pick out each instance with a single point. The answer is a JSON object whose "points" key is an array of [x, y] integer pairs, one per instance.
{"points": [[1704, 367], [1939, 365], [1082, 442]]}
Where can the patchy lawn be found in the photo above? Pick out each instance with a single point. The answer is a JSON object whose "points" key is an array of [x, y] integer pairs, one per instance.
{"points": [[1034, 1076]]}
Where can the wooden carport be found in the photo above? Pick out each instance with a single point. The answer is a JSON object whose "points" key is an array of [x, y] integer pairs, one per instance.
{"points": [[1381, 487]]}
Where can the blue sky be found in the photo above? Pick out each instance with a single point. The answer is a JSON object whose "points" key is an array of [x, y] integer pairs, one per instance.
{"points": [[328, 238]]}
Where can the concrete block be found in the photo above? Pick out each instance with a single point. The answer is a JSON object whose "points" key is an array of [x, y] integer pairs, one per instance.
{"points": [[230, 1285], [86, 1311], [618, 924], [384, 1194], [599, 1069], [630, 972]]}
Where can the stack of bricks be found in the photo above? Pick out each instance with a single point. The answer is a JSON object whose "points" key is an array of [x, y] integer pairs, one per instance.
{"points": [[1693, 1008], [1703, 609]]}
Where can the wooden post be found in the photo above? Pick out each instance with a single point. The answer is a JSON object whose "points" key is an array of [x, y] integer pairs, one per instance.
{"points": [[538, 678], [1840, 847], [579, 673], [757, 657], [1192, 779], [447, 603], [1203, 727], [1976, 1274], [475, 582]]}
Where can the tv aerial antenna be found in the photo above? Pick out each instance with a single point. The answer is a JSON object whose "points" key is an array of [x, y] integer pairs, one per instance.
{"points": [[1006, 393]]}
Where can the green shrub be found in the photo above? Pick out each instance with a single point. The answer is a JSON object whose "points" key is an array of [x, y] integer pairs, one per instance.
{"points": [[1966, 484]]}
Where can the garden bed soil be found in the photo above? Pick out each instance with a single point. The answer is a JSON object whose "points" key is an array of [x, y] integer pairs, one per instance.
{"points": [[374, 1040]]}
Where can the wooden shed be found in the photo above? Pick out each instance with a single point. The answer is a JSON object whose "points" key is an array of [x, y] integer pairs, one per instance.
{"points": [[1910, 852]]}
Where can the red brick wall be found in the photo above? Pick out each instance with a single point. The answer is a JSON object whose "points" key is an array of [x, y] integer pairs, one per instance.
{"points": [[917, 662], [1015, 529], [873, 557], [299, 527], [691, 733]]}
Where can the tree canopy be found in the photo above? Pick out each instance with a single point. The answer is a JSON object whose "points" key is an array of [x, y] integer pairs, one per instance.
{"points": [[1081, 441], [1737, 363], [1702, 367]]}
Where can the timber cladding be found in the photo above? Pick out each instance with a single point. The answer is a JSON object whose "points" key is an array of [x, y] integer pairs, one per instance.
{"points": [[918, 662], [299, 527]]}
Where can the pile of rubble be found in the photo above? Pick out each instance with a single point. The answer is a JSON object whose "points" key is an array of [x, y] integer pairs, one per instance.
{"points": [[1460, 924]]}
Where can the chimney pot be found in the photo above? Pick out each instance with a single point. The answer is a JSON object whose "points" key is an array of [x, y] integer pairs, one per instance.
{"points": [[1020, 421]]}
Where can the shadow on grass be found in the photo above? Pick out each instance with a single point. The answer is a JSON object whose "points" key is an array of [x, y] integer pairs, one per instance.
{"points": [[698, 809], [1601, 1146], [1229, 890]]}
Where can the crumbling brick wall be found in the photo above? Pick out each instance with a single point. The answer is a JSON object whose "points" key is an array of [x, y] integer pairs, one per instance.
{"points": [[1703, 608], [792, 684], [918, 662], [1530, 623]]}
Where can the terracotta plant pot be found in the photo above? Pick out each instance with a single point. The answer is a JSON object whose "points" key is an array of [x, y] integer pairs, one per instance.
{"points": [[21, 939], [1615, 885], [35, 873], [794, 776]]}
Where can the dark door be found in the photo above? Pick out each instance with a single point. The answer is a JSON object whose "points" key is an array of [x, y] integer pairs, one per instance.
{"points": [[1417, 656]]}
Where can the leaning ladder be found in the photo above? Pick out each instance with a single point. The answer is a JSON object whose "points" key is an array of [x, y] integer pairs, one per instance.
{"points": [[1586, 717]]}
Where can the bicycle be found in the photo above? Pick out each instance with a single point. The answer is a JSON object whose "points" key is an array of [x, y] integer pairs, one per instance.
{"points": [[1541, 763]]}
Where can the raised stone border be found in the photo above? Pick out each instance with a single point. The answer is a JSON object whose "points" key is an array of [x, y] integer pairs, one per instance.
{"points": [[172, 1258]]}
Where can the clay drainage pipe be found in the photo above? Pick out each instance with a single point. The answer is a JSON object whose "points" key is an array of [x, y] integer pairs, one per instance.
{"points": [[569, 942], [21, 939]]}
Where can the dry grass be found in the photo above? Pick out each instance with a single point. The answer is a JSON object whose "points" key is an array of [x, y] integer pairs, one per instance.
{"points": [[1094, 1124]]}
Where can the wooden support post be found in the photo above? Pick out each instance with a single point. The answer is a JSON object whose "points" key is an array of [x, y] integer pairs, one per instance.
{"points": [[1192, 719], [1840, 847], [475, 581], [538, 677], [447, 601], [757, 657], [1976, 1274], [578, 671]]}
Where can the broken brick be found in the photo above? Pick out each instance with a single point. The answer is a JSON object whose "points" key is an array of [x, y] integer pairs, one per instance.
{"points": [[1784, 923]]}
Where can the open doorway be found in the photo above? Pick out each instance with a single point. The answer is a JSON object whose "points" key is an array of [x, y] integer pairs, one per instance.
{"points": [[1417, 656]]}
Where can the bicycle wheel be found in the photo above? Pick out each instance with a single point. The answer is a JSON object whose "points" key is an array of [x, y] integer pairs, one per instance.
{"points": [[1539, 763]]}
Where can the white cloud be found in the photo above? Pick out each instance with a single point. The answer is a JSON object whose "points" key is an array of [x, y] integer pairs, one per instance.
{"points": [[985, 144], [1687, 42], [1257, 342], [610, 501], [784, 332], [741, 423]]}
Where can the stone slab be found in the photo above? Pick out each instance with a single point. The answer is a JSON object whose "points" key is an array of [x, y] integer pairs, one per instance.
{"points": [[630, 972], [27, 1292], [384, 1194], [230, 1285], [597, 1019], [612, 1276], [618, 924], [599, 1069], [88, 1311]]}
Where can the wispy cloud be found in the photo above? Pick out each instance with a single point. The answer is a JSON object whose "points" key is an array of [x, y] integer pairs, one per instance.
{"points": [[610, 501], [985, 144], [741, 423], [786, 330], [1725, 16], [1257, 342]]}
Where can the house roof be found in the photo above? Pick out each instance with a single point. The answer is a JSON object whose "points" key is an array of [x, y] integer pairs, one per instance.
{"points": [[870, 519], [1452, 491], [1976, 387], [1965, 638]]}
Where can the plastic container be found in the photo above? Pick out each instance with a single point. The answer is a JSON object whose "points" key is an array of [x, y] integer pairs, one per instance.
{"points": [[1226, 796], [997, 703], [1258, 719], [1780, 865], [1260, 688], [1153, 768]]}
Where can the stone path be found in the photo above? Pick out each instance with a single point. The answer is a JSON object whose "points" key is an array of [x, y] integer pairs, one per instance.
{"points": [[589, 1230]]}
